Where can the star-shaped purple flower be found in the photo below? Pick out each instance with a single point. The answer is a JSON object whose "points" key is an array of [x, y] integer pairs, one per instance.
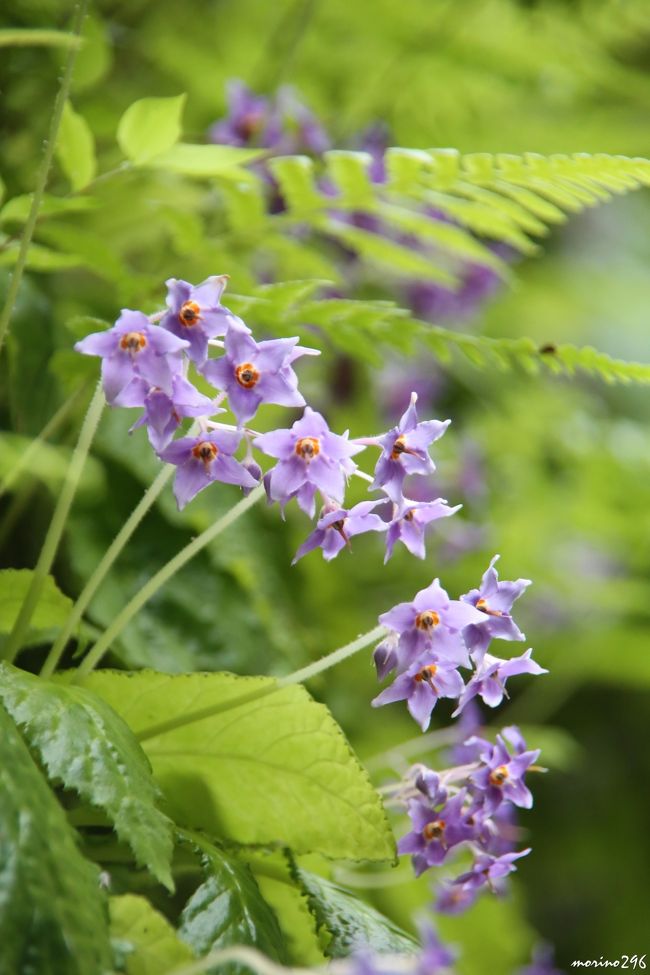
{"points": [[495, 600], [310, 457], [432, 622], [204, 459], [196, 314], [436, 957], [501, 776], [421, 686], [490, 677], [253, 372], [162, 411], [135, 349], [409, 524], [336, 526], [405, 451], [490, 870], [435, 831]]}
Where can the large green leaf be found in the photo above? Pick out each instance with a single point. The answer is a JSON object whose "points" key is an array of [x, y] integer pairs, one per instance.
{"points": [[85, 744], [150, 126], [50, 614], [52, 911], [228, 909], [351, 923], [273, 769], [145, 938], [75, 148]]}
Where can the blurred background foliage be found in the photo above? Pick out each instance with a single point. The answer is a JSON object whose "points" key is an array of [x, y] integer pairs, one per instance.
{"points": [[553, 472]]}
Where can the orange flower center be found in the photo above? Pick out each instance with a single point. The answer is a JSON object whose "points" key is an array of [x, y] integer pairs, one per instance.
{"points": [[189, 314], [133, 342], [434, 830], [205, 451], [498, 775], [427, 673], [427, 619], [483, 606], [308, 448], [247, 375]]}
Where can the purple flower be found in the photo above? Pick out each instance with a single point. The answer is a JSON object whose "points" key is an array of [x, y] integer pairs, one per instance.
{"points": [[435, 957], [197, 315], [494, 599], [421, 686], [432, 622], [304, 133], [310, 457], [490, 870], [435, 832], [541, 962], [251, 119], [454, 899], [501, 777], [404, 451], [385, 655], [134, 349], [256, 372], [201, 460], [490, 677], [163, 412], [409, 524], [336, 526], [428, 783]]}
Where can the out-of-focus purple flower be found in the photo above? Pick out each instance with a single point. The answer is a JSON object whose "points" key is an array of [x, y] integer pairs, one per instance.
{"points": [[251, 120], [134, 349], [302, 130], [375, 141], [196, 314], [336, 526], [310, 457], [541, 963], [436, 956], [501, 776], [253, 372], [490, 870], [454, 899], [431, 623], [494, 599], [421, 686], [405, 451], [435, 832], [490, 678], [163, 412], [204, 459], [409, 524]]}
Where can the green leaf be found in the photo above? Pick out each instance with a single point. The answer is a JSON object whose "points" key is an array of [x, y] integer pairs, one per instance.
{"points": [[75, 148], [16, 210], [85, 745], [41, 258], [151, 944], [273, 769], [351, 923], [52, 916], [150, 126], [51, 612], [202, 161], [228, 909]]}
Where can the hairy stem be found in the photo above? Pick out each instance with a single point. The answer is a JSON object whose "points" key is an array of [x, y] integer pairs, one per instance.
{"points": [[43, 173], [104, 565], [57, 525], [297, 677], [161, 577]]}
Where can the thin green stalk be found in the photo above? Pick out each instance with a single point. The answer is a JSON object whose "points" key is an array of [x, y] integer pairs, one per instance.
{"points": [[105, 564], [297, 677], [161, 577], [50, 427], [43, 173], [57, 526]]}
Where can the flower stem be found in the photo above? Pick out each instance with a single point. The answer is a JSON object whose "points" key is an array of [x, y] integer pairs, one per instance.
{"points": [[297, 677], [43, 173], [57, 525], [107, 561], [161, 577]]}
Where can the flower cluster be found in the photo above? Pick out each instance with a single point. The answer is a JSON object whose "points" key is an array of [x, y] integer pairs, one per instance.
{"points": [[149, 363]]}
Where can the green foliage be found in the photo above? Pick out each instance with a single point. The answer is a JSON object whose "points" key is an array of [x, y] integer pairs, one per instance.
{"points": [[53, 912], [351, 924], [228, 909], [75, 148], [85, 745], [150, 127], [146, 939], [274, 769], [51, 612]]}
